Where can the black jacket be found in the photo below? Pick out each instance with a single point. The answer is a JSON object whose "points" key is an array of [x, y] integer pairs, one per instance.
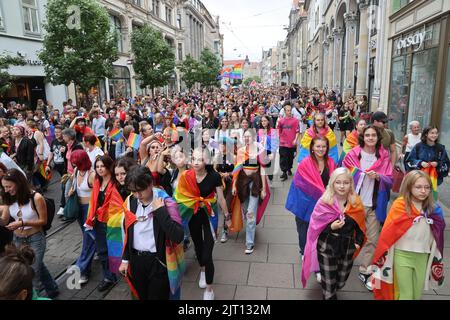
{"points": [[164, 228], [25, 154]]}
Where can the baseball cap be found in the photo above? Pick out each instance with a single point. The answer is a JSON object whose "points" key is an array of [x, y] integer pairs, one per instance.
{"points": [[380, 116]]}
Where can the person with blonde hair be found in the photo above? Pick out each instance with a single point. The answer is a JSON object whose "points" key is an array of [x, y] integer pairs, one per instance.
{"points": [[409, 255], [336, 231]]}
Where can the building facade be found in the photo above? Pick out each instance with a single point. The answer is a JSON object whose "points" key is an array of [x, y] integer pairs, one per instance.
{"points": [[418, 65], [21, 35], [186, 26]]}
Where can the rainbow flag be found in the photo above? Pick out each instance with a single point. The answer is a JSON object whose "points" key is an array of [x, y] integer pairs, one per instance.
{"points": [[432, 172], [134, 140], [237, 71], [187, 195], [349, 143], [115, 134]]}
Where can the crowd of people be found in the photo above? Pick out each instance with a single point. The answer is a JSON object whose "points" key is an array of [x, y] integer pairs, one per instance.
{"points": [[145, 177]]}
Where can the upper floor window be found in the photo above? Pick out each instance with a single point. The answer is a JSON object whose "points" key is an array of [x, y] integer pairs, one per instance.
{"points": [[116, 25], [179, 21], [30, 16], [2, 21], [155, 7], [180, 51], [168, 15], [398, 4], [137, 2]]}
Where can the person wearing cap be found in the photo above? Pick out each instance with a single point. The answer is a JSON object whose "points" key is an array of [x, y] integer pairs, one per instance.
{"points": [[380, 120]]}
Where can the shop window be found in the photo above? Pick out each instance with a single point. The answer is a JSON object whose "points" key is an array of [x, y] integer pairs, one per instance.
{"points": [[120, 83], [423, 80], [444, 136], [30, 16], [399, 91]]}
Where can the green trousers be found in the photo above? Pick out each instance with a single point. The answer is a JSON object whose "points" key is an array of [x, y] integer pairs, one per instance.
{"points": [[410, 270]]}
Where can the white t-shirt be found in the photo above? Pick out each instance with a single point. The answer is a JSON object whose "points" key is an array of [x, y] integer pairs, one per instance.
{"points": [[94, 154], [366, 193]]}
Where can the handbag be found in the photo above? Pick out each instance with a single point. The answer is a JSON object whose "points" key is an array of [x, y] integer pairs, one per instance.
{"points": [[72, 208], [398, 176]]}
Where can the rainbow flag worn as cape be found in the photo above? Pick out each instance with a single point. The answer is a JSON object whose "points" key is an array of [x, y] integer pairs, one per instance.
{"points": [[432, 172], [310, 134], [306, 188], [349, 143], [383, 167], [322, 216], [175, 263], [187, 195], [112, 210], [134, 140], [115, 134], [396, 225]]}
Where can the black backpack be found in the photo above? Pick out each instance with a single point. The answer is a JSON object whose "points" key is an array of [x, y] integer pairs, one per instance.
{"points": [[50, 203]]}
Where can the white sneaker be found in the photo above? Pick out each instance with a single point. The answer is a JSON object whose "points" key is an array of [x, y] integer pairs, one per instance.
{"points": [[249, 249], [208, 295], [224, 237], [318, 278], [83, 280], [202, 281], [60, 212]]}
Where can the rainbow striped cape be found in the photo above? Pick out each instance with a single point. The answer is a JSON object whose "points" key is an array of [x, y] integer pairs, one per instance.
{"points": [[349, 143], [432, 172], [175, 263], [306, 188], [396, 225], [112, 213], [310, 134], [383, 167], [187, 195], [322, 216]]}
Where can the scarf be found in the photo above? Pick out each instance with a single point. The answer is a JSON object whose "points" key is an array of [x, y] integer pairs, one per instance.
{"points": [[383, 167], [306, 188], [396, 225], [310, 134], [322, 216], [175, 263]]}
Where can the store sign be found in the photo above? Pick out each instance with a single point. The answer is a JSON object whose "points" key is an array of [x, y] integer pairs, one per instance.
{"points": [[34, 62], [412, 40]]}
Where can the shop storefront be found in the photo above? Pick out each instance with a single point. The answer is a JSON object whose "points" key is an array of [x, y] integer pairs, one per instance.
{"points": [[120, 83], [414, 76]]}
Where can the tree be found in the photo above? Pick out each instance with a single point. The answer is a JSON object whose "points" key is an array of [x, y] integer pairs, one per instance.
{"points": [[190, 70], [6, 79], [79, 45], [154, 59], [210, 67]]}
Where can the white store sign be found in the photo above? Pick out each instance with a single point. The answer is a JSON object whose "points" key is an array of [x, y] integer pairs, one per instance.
{"points": [[412, 40]]}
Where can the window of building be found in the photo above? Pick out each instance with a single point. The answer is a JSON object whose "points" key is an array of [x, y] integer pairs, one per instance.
{"points": [[120, 83], [155, 7], [398, 4], [116, 25], [444, 136], [168, 15], [30, 16], [179, 21], [180, 51], [137, 2], [2, 21]]}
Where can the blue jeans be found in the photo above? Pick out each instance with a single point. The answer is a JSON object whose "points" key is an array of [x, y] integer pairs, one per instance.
{"points": [[102, 250], [38, 244], [250, 207], [302, 230], [88, 249]]}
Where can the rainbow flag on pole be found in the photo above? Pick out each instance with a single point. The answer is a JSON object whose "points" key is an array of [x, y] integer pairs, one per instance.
{"points": [[134, 140], [115, 134], [237, 71]]}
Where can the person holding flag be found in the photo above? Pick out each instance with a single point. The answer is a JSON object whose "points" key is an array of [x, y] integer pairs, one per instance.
{"points": [[431, 157], [371, 168], [409, 255]]}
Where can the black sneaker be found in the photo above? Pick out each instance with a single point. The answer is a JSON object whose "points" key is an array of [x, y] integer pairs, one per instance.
{"points": [[290, 172], [105, 285], [367, 280], [284, 177]]}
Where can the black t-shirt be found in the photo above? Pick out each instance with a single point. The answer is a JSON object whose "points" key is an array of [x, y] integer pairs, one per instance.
{"points": [[209, 183], [325, 176], [58, 156]]}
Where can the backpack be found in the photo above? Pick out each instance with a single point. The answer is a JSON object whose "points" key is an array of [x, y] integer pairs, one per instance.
{"points": [[50, 204]]}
